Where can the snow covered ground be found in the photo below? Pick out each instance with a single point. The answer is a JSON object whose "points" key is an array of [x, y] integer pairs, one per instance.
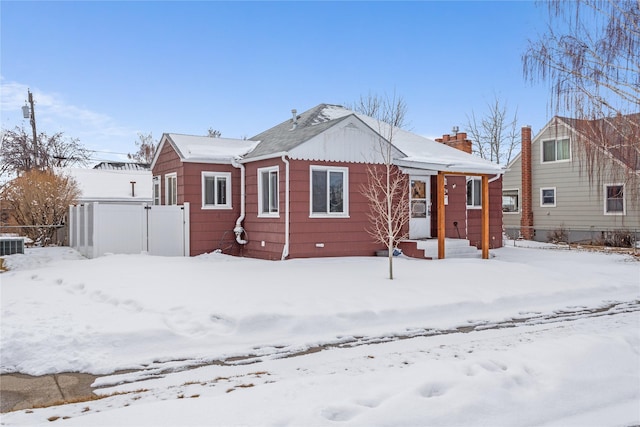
{"points": [[208, 338]]}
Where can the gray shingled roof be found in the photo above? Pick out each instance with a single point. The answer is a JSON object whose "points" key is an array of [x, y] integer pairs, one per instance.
{"points": [[285, 136]]}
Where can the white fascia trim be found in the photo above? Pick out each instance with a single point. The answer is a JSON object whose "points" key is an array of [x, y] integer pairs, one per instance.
{"points": [[221, 161], [447, 167], [279, 154]]}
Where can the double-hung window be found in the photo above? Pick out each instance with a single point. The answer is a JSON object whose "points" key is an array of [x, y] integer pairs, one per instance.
{"points": [[556, 150], [614, 199], [216, 190], [329, 191], [474, 192], [171, 189], [268, 191], [548, 197], [510, 202]]}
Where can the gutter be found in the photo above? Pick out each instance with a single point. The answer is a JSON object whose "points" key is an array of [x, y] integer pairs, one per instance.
{"points": [[285, 249], [280, 154]]}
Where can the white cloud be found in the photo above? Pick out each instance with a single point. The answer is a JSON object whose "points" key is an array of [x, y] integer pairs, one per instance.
{"points": [[97, 131]]}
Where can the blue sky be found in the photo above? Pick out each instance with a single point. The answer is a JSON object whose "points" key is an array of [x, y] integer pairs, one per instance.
{"points": [[103, 71]]}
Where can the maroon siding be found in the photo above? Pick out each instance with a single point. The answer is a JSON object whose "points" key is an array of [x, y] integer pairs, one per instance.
{"points": [[340, 236], [210, 229], [268, 230], [474, 218], [455, 209], [168, 162]]}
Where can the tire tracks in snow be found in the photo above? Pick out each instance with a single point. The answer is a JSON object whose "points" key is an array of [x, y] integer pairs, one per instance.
{"points": [[161, 369]]}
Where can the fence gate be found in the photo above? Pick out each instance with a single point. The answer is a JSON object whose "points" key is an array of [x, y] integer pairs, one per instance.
{"points": [[97, 229], [167, 230]]}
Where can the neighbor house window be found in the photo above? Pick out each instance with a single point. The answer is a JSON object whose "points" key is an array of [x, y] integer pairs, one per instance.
{"points": [[156, 190], [216, 190], [556, 150], [614, 199], [171, 189], [548, 197], [268, 191], [474, 192], [329, 191], [510, 201]]}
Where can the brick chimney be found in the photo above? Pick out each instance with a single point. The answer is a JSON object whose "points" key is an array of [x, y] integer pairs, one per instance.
{"points": [[526, 217], [457, 140]]}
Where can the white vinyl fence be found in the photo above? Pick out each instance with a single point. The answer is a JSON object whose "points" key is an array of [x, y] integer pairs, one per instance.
{"points": [[96, 229]]}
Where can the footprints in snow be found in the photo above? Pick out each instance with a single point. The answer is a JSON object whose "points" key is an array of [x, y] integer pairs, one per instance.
{"points": [[185, 322], [97, 296]]}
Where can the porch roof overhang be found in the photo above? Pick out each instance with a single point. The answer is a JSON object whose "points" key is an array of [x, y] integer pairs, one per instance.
{"points": [[474, 167]]}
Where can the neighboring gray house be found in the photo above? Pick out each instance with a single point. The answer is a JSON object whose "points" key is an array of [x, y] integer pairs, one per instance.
{"points": [[550, 193]]}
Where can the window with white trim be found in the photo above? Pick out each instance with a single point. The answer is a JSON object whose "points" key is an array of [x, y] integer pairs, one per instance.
{"points": [[156, 190], [474, 192], [268, 191], [216, 190], [510, 201], [171, 189], [556, 150], [548, 197], [329, 191], [614, 199]]}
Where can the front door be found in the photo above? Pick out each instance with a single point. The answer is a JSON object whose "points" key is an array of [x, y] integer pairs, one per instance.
{"points": [[420, 207]]}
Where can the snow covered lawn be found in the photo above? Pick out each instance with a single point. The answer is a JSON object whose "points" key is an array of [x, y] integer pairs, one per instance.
{"points": [[155, 315]]}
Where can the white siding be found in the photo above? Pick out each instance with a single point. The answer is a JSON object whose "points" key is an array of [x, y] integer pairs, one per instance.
{"points": [[349, 141]]}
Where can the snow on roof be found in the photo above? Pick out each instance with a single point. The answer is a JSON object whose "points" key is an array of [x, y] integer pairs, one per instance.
{"points": [[111, 185], [417, 149], [207, 149]]}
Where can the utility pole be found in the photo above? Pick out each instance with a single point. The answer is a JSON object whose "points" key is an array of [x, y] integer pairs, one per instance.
{"points": [[33, 127], [30, 112]]}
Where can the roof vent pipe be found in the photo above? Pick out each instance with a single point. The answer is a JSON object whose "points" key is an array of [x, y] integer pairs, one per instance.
{"points": [[294, 120]]}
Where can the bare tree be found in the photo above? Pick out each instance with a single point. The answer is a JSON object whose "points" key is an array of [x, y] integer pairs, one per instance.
{"points": [[39, 200], [387, 188], [146, 148], [19, 154], [590, 55], [495, 135], [377, 106], [213, 133]]}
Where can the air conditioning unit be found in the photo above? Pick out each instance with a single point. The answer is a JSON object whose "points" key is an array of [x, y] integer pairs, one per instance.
{"points": [[11, 245]]}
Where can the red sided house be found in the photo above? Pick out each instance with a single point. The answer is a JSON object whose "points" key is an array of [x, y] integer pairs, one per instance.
{"points": [[296, 190]]}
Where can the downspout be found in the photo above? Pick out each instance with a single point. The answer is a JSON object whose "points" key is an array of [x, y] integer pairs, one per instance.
{"points": [[238, 229], [285, 249]]}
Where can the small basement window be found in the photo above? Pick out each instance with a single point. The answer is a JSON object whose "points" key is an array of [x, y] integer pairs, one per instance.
{"points": [[548, 197]]}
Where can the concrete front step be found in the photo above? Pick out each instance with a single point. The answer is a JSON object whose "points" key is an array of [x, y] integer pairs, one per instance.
{"points": [[453, 248]]}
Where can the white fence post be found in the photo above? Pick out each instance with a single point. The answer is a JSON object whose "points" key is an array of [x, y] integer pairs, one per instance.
{"points": [[186, 231]]}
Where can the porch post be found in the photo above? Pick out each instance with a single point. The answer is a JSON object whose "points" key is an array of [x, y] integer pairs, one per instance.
{"points": [[485, 217], [441, 219]]}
